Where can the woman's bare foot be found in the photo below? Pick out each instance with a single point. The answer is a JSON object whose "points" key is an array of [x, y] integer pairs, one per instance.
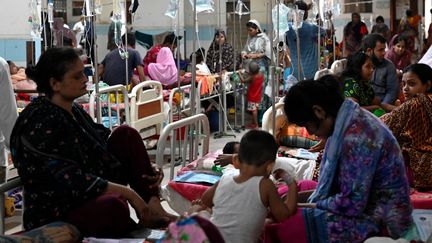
{"points": [[156, 208]]}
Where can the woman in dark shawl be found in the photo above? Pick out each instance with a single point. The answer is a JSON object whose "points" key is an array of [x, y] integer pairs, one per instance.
{"points": [[353, 32]]}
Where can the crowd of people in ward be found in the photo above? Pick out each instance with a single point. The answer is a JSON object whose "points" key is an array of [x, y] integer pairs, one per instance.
{"points": [[374, 122]]}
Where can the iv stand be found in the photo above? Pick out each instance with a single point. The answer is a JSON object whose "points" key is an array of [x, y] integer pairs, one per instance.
{"points": [[222, 94]]}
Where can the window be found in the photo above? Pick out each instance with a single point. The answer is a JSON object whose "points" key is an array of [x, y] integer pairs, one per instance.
{"points": [[77, 8], [359, 6], [60, 9]]}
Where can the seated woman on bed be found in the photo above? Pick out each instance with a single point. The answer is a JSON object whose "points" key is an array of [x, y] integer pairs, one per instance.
{"points": [[356, 78], [75, 170], [164, 69], [218, 47], [411, 124], [362, 187]]}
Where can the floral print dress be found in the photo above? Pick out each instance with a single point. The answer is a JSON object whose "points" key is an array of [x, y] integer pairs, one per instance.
{"points": [[50, 148], [362, 189]]}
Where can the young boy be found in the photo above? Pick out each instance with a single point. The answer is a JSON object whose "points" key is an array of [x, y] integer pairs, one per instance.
{"points": [[240, 203], [255, 80], [231, 148]]}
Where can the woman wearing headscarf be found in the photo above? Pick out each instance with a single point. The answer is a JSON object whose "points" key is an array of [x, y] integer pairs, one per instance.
{"points": [[400, 56], [353, 34], [218, 46], [164, 69], [398, 53], [362, 188], [258, 49]]}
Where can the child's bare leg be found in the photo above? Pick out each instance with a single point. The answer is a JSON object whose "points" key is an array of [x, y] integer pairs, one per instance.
{"points": [[255, 117]]}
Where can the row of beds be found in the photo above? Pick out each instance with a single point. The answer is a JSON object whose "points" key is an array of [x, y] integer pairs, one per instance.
{"points": [[188, 138]]}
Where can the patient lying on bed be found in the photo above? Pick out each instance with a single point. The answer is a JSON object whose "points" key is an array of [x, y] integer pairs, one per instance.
{"points": [[20, 81]]}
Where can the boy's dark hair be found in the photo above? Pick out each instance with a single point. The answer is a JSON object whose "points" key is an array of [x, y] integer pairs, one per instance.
{"points": [[379, 19], [171, 39], [370, 41], [130, 39], [354, 66], [254, 67], [199, 55], [257, 147], [409, 13], [300, 99], [229, 147], [302, 5]]}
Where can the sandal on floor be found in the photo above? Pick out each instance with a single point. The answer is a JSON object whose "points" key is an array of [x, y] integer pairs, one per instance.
{"points": [[251, 126]]}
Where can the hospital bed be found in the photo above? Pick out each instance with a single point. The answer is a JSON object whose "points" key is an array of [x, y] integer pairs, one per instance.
{"points": [[146, 108], [113, 103], [194, 137], [338, 66]]}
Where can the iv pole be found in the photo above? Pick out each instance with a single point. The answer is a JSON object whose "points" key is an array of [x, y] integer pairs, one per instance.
{"points": [[271, 78], [240, 5], [91, 17], [222, 94]]}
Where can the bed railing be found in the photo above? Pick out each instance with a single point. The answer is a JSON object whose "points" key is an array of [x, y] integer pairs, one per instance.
{"points": [[120, 96], [192, 136], [146, 108]]}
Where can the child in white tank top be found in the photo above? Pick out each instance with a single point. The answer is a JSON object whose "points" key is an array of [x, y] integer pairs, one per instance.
{"points": [[240, 203]]}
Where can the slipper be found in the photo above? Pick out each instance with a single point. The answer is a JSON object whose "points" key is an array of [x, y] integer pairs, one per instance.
{"points": [[251, 126]]}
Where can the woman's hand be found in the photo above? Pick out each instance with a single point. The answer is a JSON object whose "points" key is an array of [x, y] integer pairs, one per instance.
{"points": [[132, 197], [319, 146], [57, 233], [252, 55], [156, 180], [224, 159]]}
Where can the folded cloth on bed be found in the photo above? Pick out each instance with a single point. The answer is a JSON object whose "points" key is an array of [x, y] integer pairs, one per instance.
{"points": [[198, 178], [187, 190], [301, 168]]}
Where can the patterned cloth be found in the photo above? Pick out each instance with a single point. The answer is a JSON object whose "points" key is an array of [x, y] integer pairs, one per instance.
{"points": [[189, 230], [213, 53], [361, 91], [291, 135], [49, 148], [252, 106], [411, 124], [362, 188]]}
